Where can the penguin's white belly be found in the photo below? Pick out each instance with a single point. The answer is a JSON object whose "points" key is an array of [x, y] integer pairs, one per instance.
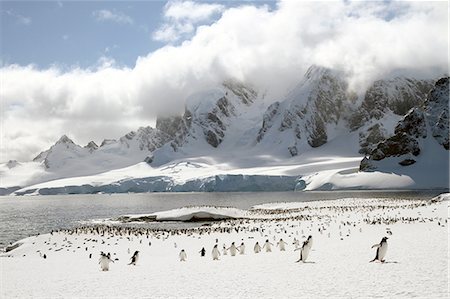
{"points": [[215, 254], [104, 264], [233, 251], [382, 251], [282, 247]]}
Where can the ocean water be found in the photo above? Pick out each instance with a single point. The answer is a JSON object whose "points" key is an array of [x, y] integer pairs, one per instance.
{"points": [[22, 216]]}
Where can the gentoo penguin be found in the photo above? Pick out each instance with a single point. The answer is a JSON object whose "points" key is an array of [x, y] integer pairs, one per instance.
{"points": [[215, 253], [282, 245], [381, 250], [304, 250], [183, 255], [257, 248], [202, 252], [134, 258], [104, 262], [268, 246], [233, 249], [241, 248]]}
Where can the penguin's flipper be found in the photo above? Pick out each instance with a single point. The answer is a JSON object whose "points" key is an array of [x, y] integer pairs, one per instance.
{"points": [[376, 246]]}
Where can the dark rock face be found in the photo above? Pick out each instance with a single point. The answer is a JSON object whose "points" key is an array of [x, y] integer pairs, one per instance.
{"points": [[319, 99], [407, 162], [368, 142], [317, 133], [397, 145], [436, 108], [413, 128], [398, 95]]}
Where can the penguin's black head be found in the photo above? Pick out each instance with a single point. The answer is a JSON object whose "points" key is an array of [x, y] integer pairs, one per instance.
{"points": [[385, 239], [310, 237]]}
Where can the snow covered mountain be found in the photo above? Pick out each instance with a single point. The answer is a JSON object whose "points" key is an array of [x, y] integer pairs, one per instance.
{"points": [[230, 138], [130, 149], [421, 136], [308, 113]]}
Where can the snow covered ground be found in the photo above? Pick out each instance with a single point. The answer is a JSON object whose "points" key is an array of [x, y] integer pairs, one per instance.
{"points": [[338, 266]]}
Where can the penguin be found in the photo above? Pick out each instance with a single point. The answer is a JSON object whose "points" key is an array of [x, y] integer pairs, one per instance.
{"points": [[183, 255], [304, 250], [268, 246], [381, 250], [257, 248], [215, 253], [104, 262], [297, 243], [224, 249], [233, 249], [134, 258], [282, 245], [202, 252], [241, 248]]}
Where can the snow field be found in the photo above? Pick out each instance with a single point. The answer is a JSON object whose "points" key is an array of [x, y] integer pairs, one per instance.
{"points": [[338, 265]]}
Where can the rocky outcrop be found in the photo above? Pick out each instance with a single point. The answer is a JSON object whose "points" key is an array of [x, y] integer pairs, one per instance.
{"points": [[319, 99], [207, 114], [398, 95], [413, 129]]}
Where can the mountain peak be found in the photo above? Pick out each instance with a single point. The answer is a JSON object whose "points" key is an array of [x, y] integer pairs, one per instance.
{"points": [[64, 140]]}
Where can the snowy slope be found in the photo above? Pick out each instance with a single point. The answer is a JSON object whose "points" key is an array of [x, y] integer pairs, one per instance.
{"points": [[230, 138]]}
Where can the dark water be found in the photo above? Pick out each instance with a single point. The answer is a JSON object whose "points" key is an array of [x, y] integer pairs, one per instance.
{"points": [[22, 216]]}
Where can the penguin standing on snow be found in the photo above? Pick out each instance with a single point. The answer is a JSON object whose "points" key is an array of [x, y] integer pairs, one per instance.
{"points": [[224, 249], [381, 250], [233, 249], [304, 250], [268, 246], [134, 258], [257, 248], [215, 253], [282, 245], [202, 252], [104, 262], [241, 248], [182, 255]]}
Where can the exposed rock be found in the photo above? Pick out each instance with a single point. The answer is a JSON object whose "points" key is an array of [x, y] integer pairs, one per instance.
{"points": [[375, 134], [413, 124], [91, 146], [293, 150], [397, 145], [407, 162]]}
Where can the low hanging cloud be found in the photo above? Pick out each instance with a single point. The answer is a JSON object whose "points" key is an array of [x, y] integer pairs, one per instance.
{"points": [[268, 48]]}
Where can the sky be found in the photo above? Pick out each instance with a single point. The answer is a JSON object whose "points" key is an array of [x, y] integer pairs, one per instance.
{"points": [[96, 70]]}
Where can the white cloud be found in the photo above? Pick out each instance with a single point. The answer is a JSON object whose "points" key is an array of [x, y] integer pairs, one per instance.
{"points": [[20, 18], [114, 16], [181, 16], [267, 48]]}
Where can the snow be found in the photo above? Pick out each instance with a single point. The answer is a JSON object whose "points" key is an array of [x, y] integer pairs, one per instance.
{"points": [[338, 265], [188, 214]]}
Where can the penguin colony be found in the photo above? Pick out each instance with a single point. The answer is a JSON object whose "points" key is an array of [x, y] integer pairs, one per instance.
{"points": [[269, 225]]}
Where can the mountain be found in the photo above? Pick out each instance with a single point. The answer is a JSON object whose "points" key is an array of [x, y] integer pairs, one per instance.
{"points": [[66, 156], [230, 137], [421, 127], [308, 112]]}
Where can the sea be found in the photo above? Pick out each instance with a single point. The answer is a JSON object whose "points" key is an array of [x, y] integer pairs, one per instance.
{"points": [[23, 216]]}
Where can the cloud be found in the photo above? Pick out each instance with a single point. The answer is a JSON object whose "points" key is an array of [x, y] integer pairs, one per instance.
{"points": [[113, 16], [270, 48], [20, 18], [181, 18]]}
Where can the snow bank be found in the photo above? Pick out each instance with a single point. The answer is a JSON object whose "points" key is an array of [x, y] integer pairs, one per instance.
{"points": [[188, 214]]}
